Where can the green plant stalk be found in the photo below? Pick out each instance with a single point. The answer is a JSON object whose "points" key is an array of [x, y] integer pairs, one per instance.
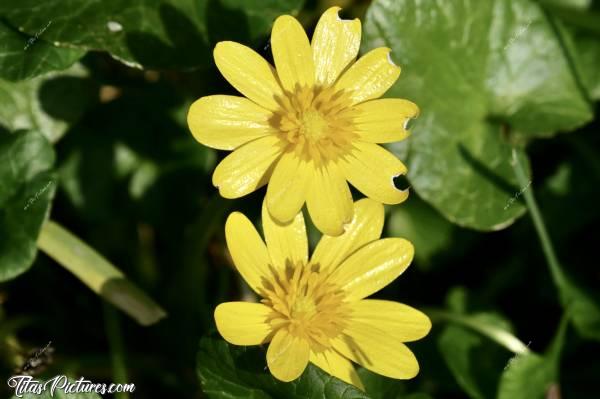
{"points": [[555, 348], [502, 337], [555, 269], [117, 349], [97, 273]]}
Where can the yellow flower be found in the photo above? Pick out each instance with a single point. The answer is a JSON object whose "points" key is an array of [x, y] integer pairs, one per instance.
{"points": [[314, 310], [308, 127]]}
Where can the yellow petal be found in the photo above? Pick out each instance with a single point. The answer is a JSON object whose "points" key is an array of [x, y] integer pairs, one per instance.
{"points": [[226, 122], [329, 200], [287, 356], [243, 323], [285, 242], [247, 168], [365, 227], [384, 120], [369, 77], [397, 320], [249, 73], [334, 45], [247, 250], [371, 169], [336, 365], [292, 53], [373, 349], [286, 192], [373, 267]]}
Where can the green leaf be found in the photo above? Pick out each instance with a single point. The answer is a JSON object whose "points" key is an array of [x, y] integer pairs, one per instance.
{"points": [[580, 30], [150, 34], [23, 57], [578, 4], [531, 376], [459, 347], [49, 103], [473, 360], [26, 190], [228, 371], [588, 53], [472, 78], [98, 274], [583, 307], [380, 387], [527, 377]]}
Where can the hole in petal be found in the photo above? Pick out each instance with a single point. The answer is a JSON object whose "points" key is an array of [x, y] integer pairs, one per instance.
{"points": [[401, 182], [345, 17]]}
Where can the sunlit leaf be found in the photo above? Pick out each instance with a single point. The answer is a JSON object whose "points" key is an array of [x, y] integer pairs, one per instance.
{"points": [[475, 69], [48, 103]]}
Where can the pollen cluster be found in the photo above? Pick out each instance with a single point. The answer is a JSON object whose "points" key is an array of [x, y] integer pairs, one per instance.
{"points": [[306, 304], [315, 122]]}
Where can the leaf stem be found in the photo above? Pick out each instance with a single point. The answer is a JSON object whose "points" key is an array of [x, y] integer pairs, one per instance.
{"points": [[117, 351], [555, 269]]}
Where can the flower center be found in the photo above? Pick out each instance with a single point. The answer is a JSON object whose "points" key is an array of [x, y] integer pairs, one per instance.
{"points": [[315, 122], [306, 304], [313, 126]]}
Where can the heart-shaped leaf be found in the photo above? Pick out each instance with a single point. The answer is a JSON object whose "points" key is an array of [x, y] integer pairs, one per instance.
{"points": [[474, 80]]}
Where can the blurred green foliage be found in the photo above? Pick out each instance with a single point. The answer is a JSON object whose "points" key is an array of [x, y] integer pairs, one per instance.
{"points": [[93, 135]]}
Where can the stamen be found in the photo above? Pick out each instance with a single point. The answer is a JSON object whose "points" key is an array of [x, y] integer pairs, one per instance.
{"points": [[317, 122], [305, 303]]}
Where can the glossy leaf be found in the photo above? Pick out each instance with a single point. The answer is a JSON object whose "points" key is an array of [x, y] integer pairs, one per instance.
{"points": [[580, 30], [472, 359], [23, 56], [529, 376], [228, 371], [152, 34], [532, 376], [473, 79], [380, 387], [588, 52], [27, 187], [48, 103]]}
